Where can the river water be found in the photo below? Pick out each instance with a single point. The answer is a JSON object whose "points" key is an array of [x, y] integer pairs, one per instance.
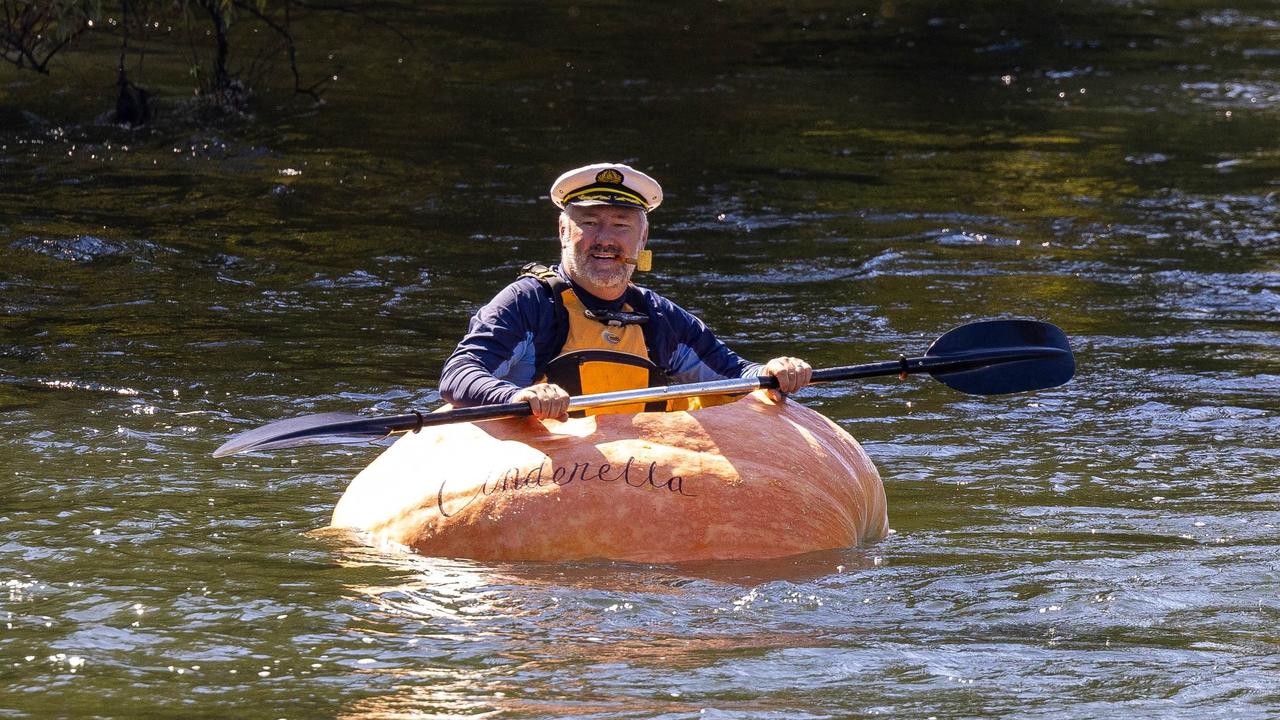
{"points": [[844, 182]]}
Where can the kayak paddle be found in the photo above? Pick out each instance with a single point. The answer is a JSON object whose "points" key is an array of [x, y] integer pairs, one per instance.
{"points": [[982, 358]]}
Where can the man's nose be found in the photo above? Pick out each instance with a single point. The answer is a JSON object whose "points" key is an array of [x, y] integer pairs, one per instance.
{"points": [[605, 235]]}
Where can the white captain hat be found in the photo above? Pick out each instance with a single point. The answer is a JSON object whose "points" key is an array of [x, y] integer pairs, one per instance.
{"points": [[606, 184]]}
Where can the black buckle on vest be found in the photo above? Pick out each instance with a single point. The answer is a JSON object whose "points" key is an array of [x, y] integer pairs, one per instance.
{"points": [[617, 318]]}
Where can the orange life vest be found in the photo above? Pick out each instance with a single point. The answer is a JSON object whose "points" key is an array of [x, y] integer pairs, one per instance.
{"points": [[606, 353], [600, 353]]}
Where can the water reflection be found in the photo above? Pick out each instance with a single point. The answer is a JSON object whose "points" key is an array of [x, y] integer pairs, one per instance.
{"points": [[568, 639]]}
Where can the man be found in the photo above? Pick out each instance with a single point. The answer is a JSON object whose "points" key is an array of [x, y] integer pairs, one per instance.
{"points": [[582, 327]]}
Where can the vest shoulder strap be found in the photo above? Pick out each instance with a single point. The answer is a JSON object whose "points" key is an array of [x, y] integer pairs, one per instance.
{"points": [[554, 284], [545, 275]]}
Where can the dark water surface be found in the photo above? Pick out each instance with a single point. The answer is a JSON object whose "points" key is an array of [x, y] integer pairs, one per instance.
{"points": [[845, 182]]}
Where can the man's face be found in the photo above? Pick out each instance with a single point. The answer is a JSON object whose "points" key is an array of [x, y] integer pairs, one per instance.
{"points": [[593, 241]]}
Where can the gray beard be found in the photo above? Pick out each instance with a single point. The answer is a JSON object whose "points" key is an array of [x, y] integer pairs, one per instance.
{"points": [[579, 264]]}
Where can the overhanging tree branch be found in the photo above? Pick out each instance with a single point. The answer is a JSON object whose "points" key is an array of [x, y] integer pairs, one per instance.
{"points": [[34, 33], [290, 47]]}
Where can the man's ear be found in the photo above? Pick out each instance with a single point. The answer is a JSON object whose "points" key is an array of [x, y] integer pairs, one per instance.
{"points": [[562, 225]]}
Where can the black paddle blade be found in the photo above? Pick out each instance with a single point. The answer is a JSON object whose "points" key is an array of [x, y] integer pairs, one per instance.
{"points": [[1049, 362], [302, 431]]}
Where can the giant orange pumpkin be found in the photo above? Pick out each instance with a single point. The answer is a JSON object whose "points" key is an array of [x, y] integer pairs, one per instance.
{"points": [[750, 479]]}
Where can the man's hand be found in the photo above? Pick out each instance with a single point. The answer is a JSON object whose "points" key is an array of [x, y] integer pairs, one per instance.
{"points": [[546, 400], [792, 374]]}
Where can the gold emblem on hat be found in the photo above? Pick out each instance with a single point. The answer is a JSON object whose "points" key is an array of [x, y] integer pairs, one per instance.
{"points": [[609, 176]]}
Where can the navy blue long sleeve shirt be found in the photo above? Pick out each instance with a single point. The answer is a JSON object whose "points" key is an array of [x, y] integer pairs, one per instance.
{"points": [[510, 341]]}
